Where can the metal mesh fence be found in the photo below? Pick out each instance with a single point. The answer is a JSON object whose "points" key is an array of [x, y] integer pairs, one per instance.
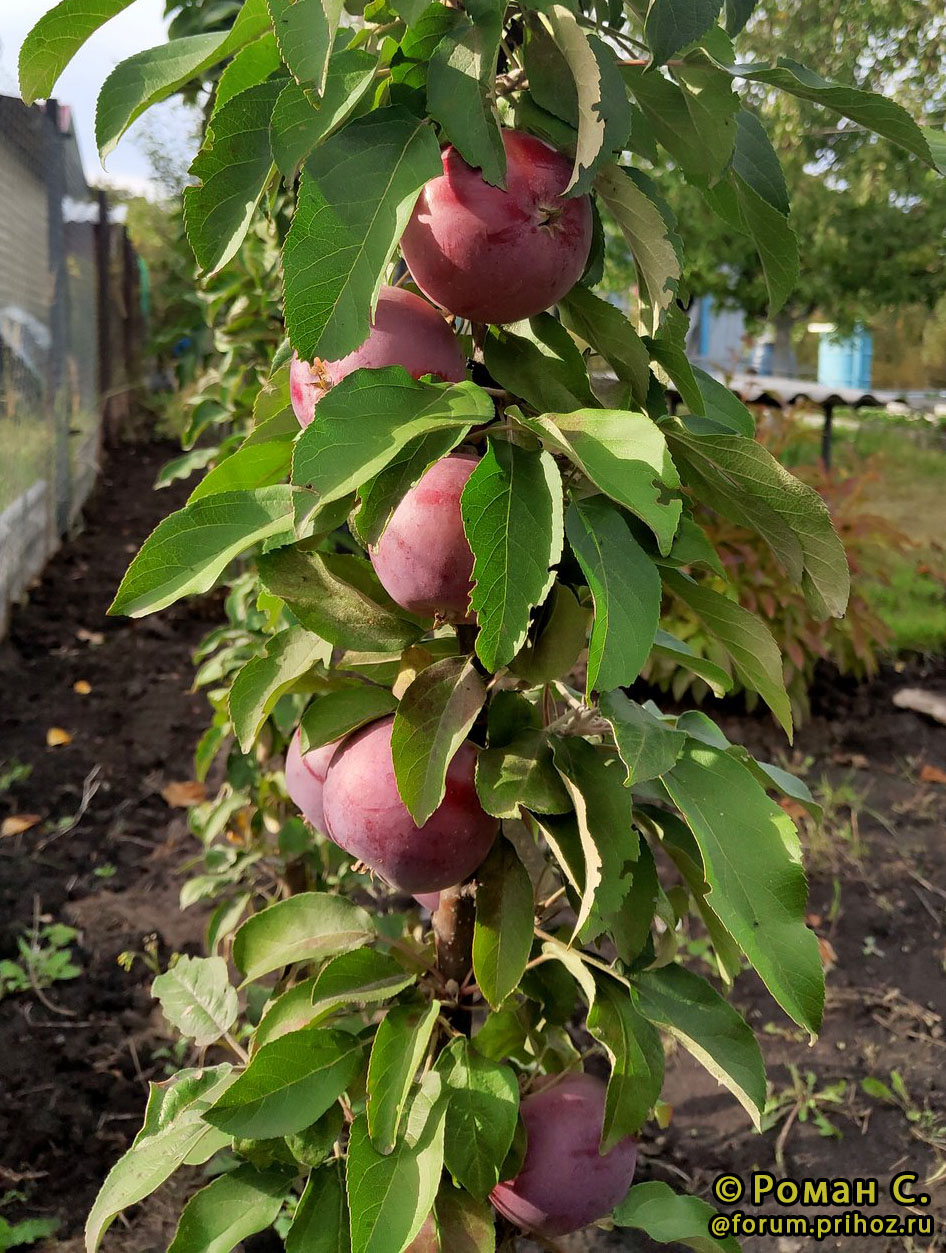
{"points": [[69, 333]]}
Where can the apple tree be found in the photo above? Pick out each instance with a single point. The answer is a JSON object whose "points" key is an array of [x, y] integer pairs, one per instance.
{"points": [[467, 501]]}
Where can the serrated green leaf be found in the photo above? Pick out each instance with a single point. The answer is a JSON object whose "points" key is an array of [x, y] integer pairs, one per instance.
{"points": [[381, 496], [756, 162], [307, 927], [539, 361], [752, 861], [465, 1224], [481, 1116], [288, 1084], [368, 419], [688, 1008], [189, 550], [668, 349], [255, 690], [670, 1218], [694, 120], [336, 714], [339, 245], [56, 38], [738, 13], [432, 721], [251, 65], [512, 515], [637, 1059], [305, 30], [558, 635], [399, 1047], [321, 1223], [337, 596], [721, 407], [624, 454], [672, 24], [502, 938], [520, 773], [746, 639], [648, 747], [197, 998], [460, 86], [233, 166], [603, 326], [230, 1208], [625, 585], [774, 239], [260, 461]]}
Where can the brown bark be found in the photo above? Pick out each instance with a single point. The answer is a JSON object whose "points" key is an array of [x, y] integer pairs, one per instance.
{"points": [[453, 932]]}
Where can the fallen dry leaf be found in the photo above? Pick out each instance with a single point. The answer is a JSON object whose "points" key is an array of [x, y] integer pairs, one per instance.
{"points": [[829, 958], [82, 687], [794, 809], [18, 824], [56, 736], [90, 637], [184, 794], [932, 774]]}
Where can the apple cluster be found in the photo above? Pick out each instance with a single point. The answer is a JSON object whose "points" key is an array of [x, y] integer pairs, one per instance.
{"points": [[489, 255]]}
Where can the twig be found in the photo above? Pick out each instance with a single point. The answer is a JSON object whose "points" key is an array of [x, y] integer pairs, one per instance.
{"points": [[237, 1047], [89, 788]]}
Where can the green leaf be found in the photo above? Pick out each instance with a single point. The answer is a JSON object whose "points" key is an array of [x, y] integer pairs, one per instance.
{"points": [[610, 845], [431, 723], [502, 937], [512, 516], [230, 1208], [648, 746], [647, 235], [190, 549], [384, 493], [337, 596], [460, 83], [558, 635], [746, 639], [692, 1011], [695, 120], [465, 1224], [174, 1132], [722, 407], [362, 977], [670, 1218], [300, 123], [603, 326], [481, 1116], [251, 66], [390, 1196], [399, 1047], [56, 38], [742, 480], [520, 773], [256, 463], [233, 166], [866, 108], [738, 13], [321, 1223], [625, 456], [151, 76], [288, 1084], [197, 999], [539, 361], [305, 30], [625, 585], [668, 349], [339, 245], [752, 861], [255, 690], [337, 714], [369, 417], [672, 24], [601, 108], [756, 162], [774, 240], [637, 1059], [307, 927]]}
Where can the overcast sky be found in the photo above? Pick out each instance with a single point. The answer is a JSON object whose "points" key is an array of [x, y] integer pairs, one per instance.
{"points": [[139, 26]]}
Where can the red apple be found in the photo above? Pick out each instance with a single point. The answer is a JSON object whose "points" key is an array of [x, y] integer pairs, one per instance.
{"points": [[499, 256], [423, 558], [365, 816], [406, 331], [565, 1183], [305, 777]]}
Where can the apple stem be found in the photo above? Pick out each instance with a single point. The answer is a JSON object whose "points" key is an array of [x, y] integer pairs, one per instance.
{"points": [[453, 931]]}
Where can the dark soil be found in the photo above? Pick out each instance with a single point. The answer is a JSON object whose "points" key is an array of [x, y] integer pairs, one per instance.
{"points": [[75, 1058]]}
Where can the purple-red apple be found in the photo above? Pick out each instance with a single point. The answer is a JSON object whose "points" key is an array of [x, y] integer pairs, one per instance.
{"points": [[423, 558], [366, 817], [305, 777], [565, 1182], [495, 255], [406, 331]]}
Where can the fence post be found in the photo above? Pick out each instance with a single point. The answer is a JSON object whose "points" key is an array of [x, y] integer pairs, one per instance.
{"points": [[103, 303], [56, 392]]}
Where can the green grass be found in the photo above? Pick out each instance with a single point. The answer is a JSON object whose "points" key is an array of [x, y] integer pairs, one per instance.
{"points": [[910, 492], [27, 449]]}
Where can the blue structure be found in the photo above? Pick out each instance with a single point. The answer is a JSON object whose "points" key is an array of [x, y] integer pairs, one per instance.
{"points": [[845, 361]]}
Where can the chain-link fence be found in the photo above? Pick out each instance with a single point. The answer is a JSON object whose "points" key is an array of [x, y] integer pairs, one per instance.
{"points": [[70, 332]]}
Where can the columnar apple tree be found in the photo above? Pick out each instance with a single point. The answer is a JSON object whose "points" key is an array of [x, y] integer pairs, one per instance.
{"points": [[468, 490]]}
